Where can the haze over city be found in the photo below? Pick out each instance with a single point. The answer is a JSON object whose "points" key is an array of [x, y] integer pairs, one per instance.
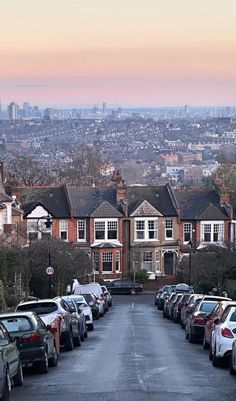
{"points": [[131, 52]]}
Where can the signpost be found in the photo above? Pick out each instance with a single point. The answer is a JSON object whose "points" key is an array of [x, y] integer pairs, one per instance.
{"points": [[50, 271]]}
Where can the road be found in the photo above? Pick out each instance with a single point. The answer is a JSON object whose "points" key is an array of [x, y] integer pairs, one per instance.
{"points": [[132, 355]]}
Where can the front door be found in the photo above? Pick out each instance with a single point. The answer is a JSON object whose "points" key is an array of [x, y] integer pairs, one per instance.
{"points": [[169, 262]]}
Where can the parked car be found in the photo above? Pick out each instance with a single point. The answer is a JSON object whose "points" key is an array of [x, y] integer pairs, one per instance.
{"points": [[167, 290], [81, 303], [173, 304], [195, 326], [107, 294], [78, 321], [167, 304], [188, 308], [157, 297], [11, 356], [93, 303], [178, 307], [54, 307], [97, 291], [232, 364], [5, 381], [35, 341], [214, 317], [223, 336], [123, 286]]}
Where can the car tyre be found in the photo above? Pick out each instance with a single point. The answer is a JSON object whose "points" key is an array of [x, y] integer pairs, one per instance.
{"points": [[43, 366], [86, 333], [191, 338], [69, 344], [215, 360], [210, 353], [53, 361], [205, 344], [91, 327], [18, 379], [7, 388], [77, 340], [231, 369]]}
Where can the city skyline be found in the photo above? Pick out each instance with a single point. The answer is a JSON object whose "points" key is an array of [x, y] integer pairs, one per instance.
{"points": [[137, 53]]}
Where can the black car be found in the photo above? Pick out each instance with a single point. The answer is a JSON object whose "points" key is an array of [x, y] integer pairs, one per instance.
{"points": [[123, 286], [35, 341]]}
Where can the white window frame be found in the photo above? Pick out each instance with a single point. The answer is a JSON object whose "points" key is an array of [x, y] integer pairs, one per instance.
{"points": [[63, 224], [96, 262], [146, 230], [187, 229], [107, 257], [158, 261], [212, 225], [107, 223], [80, 229], [148, 260], [118, 261], [171, 227]]}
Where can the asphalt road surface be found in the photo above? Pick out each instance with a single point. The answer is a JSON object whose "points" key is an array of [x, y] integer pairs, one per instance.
{"points": [[132, 355]]}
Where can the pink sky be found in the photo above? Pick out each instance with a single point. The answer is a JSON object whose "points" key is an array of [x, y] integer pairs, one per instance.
{"points": [[136, 52]]}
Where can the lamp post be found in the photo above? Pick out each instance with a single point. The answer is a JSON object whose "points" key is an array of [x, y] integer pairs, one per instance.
{"points": [[49, 269], [190, 262]]}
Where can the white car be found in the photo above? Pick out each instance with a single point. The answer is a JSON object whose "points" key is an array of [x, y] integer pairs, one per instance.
{"points": [[232, 366], [223, 336], [87, 311], [95, 289]]}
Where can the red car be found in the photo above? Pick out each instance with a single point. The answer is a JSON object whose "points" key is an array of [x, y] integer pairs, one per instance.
{"points": [[213, 319]]}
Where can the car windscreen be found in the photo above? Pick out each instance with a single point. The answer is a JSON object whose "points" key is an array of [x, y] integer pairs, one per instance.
{"points": [[88, 297], [41, 308], [16, 324], [207, 306]]}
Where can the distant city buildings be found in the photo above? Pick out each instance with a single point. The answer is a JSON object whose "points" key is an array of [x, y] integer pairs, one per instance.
{"points": [[13, 111]]}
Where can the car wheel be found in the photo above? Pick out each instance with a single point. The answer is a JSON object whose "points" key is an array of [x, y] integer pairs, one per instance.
{"points": [[7, 388], [77, 340], [210, 353], [132, 291], [69, 344], [91, 327], [215, 360], [186, 334], [231, 369], [191, 338], [18, 378], [53, 361], [110, 303], [86, 333], [43, 366], [205, 344]]}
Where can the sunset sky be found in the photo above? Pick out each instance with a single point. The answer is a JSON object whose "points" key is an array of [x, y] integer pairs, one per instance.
{"points": [[124, 52]]}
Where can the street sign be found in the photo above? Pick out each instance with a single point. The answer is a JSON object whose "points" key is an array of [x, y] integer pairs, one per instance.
{"points": [[49, 270]]}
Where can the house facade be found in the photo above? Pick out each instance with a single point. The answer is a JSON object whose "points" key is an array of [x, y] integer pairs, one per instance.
{"points": [[125, 228]]}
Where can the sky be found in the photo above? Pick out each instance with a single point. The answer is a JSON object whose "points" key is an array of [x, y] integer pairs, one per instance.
{"points": [[124, 52]]}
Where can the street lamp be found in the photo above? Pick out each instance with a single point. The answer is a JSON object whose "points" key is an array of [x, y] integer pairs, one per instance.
{"points": [[190, 262], [49, 269]]}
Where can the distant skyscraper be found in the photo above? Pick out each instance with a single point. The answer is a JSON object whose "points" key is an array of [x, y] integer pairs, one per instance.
{"points": [[104, 108], [13, 111], [186, 110]]}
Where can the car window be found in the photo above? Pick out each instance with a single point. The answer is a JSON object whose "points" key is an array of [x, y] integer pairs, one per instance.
{"points": [[233, 315], [15, 324], [41, 308], [3, 333], [40, 323], [225, 315], [215, 311], [207, 307]]}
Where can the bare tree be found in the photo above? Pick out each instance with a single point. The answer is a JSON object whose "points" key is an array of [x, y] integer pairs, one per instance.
{"points": [[23, 170]]}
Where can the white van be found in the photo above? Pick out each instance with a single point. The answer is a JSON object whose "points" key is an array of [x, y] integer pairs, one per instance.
{"points": [[95, 289]]}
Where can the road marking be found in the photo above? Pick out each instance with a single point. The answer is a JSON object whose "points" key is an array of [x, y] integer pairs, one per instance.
{"points": [[132, 305]]}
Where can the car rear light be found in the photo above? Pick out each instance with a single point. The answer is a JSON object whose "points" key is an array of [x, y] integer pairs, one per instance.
{"points": [[225, 332], [199, 320], [31, 338]]}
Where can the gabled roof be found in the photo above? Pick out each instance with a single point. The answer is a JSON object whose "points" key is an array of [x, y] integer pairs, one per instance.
{"points": [[200, 205], [145, 209], [52, 199], [106, 210], [4, 197], [85, 201], [160, 197], [233, 203]]}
